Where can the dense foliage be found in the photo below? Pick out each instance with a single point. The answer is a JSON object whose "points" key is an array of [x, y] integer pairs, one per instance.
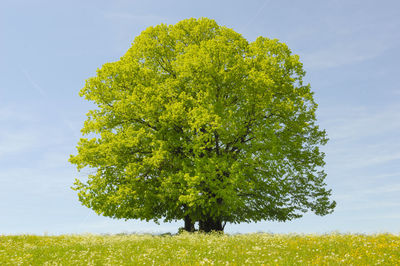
{"points": [[196, 123]]}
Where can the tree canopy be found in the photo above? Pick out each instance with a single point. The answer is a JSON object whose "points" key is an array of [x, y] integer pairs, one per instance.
{"points": [[196, 123]]}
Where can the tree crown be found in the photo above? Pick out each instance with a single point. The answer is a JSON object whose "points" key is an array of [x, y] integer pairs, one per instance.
{"points": [[196, 121]]}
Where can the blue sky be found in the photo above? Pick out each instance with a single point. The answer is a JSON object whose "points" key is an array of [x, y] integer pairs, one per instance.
{"points": [[350, 50]]}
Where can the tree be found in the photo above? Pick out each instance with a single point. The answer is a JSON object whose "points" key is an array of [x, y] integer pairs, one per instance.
{"points": [[195, 123]]}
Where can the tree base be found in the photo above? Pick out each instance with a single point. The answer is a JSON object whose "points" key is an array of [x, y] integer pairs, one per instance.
{"points": [[210, 225], [189, 225]]}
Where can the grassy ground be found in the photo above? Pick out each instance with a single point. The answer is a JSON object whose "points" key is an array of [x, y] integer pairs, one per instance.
{"points": [[198, 249]]}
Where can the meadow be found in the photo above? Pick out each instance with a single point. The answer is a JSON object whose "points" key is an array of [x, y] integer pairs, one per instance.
{"points": [[201, 249]]}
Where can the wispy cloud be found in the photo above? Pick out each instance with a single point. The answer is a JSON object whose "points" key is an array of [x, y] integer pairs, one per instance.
{"points": [[255, 15], [366, 193], [19, 136], [349, 34], [33, 83], [362, 198], [362, 205], [45, 96], [350, 123], [9, 113], [16, 141], [363, 156], [345, 50], [26, 134]]}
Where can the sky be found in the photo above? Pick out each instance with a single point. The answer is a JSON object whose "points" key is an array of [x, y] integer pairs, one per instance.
{"points": [[350, 51]]}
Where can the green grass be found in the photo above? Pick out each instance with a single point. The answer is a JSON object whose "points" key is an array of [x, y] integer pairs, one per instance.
{"points": [[198, 249]]}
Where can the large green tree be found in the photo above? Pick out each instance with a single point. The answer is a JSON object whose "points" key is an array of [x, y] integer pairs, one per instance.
{"points": [[195, 123]]}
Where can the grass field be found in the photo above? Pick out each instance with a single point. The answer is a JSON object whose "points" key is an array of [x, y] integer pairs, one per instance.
{"points": [[201, 249]]}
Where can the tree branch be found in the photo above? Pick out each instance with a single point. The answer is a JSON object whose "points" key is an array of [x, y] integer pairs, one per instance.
{"points": [[216, 143]]}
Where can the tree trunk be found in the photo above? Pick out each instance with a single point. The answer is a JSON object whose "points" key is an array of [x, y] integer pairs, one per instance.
{"points": [[189, 225], [210, 224]]}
